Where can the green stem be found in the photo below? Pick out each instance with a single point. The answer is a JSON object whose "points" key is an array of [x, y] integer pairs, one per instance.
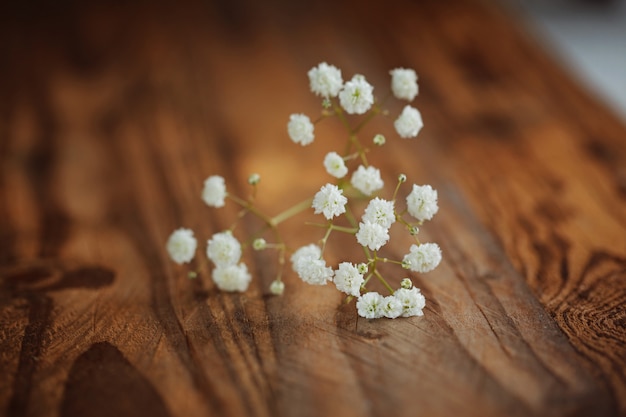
{"points": [[384, 281], [290, 212], [350, 230]]}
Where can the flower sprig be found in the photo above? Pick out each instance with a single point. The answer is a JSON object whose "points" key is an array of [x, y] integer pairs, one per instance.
{"points": [[336, 201]]}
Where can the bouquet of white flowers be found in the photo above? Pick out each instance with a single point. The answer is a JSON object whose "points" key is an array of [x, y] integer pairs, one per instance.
{"points": [[339, 99]]}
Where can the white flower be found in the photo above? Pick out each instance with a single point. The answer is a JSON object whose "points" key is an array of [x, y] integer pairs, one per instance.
{"points": [[330, 201], [314, 271], [380, 211], [392, 307], [181, 246], [370, 304], [357, 96], [223, 249], [214, 191], [335, 165], [325, 80], [422, 202], [348, 279], [277, 287], [311, 251], [372, 235], [409, 123], [310, 268], [404, 83], [367, 180], [300, 129], [412, 301], [422, 258], [232, 277]]}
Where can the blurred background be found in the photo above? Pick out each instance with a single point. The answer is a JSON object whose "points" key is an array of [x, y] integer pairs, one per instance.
{"points": [[588, 37]]}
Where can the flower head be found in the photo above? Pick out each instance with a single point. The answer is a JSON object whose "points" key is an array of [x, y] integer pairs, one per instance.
{"points": [[357, 96], [370, 305], [422, 258], [314, 271], [214, 191], [412, 301], [300, 129], [335, 165], [372, 235], [348, 279], [392, 307], [404, 83], [422, 202], [311, 251], [367, 180], [380, 211], [330, 201], [223, 249], [181, 246], [232, 277], [409, 123], [325, 80]]}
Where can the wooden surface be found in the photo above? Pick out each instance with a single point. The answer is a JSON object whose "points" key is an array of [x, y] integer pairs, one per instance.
{"points": [[112, 115]]}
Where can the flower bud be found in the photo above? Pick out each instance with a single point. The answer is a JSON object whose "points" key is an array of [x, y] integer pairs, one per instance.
{"points": [[401, 178], [379, 140], [259, 244], [254, 179], [414, 230], [277, 287], [362, 268], [406, 283]]}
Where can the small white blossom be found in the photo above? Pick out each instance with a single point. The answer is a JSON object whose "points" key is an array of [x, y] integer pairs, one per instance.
{"points": [[300, 129], [409, 123], [370, 304], [310, 268], [277, 287], [335, 165], [412, 301], [325, 80], [357, 95], [367, 180], [313, 271], [422, 202], [311, 251], [181, 246], [223, 249], [330, 201], [422, 258], [348, 279], [232, 277], [392, 307], [404, 83], [214, 191], [380, 211], [372, 235]]}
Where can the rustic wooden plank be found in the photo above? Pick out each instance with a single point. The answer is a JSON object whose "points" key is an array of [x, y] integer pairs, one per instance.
{"points": [[112, 115]]}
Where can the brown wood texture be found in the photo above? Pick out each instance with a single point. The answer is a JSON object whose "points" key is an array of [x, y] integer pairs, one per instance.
{"points": [[112, 115]]}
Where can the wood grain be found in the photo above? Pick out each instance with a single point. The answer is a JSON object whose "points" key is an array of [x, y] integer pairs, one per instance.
{"points": [[112, 115]]}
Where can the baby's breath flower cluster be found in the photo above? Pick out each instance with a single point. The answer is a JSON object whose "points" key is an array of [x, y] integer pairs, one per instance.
{"points": [[356, 187]]}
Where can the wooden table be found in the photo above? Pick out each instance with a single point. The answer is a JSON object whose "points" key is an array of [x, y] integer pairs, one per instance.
{"points": [[111, 117]]}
